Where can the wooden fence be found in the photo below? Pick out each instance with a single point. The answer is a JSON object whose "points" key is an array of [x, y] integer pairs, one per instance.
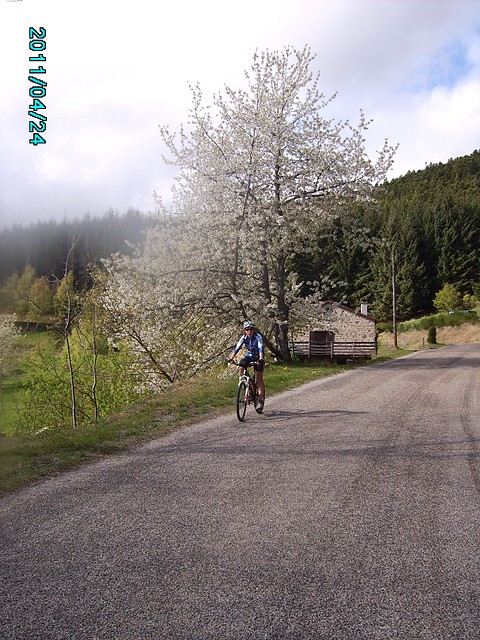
{"points": [[350, 350]]}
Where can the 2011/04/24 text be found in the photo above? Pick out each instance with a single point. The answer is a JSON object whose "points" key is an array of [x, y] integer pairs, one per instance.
{"points": [[38, 90]]}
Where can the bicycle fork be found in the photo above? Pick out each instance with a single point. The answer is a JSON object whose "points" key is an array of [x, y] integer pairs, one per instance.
{"points": [[249, 389]]}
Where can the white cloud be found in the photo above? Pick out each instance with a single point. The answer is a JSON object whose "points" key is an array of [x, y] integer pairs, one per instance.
{"points": [[446, 111]]}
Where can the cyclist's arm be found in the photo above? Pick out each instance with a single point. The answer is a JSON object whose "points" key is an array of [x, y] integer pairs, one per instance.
{"points": [[261, 348], [237, 348]]}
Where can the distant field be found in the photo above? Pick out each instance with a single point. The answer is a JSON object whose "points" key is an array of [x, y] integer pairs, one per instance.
{"points": [[27, 344], [10, 387]]}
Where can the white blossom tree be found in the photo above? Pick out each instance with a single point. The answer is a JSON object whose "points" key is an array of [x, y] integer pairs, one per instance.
{"points": [[8, 337], [259, 173], [158, 309]]}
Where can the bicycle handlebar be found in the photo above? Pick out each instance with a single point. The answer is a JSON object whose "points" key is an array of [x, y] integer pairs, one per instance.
{"points": [[237, 364]]}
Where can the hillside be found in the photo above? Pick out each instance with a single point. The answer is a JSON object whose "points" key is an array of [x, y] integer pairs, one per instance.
{"points": [[426, 223], [445, 335]]}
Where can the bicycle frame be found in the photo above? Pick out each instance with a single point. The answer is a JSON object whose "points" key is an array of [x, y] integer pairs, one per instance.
{"points": [[251, 384]]}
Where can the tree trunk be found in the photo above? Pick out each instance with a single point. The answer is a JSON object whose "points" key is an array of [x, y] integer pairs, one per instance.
{"points": [[281, 329]]}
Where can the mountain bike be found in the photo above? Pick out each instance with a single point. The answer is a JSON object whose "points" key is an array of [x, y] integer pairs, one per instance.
{"points": [[247, 392]]}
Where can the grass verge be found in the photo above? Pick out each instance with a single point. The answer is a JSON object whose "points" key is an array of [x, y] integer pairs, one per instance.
{"points": [[25, 459]]}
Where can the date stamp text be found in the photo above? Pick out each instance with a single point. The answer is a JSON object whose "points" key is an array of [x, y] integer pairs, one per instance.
{"points": [[38, 86]]}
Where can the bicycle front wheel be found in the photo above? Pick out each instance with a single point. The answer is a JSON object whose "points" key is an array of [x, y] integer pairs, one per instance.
{"points": [[242, 400]]}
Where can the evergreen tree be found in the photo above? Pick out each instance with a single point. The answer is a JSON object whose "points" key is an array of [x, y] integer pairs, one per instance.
{"points": [[458, 242]]}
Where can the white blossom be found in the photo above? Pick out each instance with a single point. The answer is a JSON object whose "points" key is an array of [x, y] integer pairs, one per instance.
{"points": [[8, 336]]}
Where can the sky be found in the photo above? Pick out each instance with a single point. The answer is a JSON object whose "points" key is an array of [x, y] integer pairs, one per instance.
{"points": [[116, 70]]}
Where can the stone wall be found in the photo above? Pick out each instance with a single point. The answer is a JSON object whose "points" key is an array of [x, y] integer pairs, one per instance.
{"points": [[347, 325]]}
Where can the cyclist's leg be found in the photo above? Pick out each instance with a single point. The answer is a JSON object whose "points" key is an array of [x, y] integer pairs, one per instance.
{"points": [[259, 379], [244, 364], [260, 387]]}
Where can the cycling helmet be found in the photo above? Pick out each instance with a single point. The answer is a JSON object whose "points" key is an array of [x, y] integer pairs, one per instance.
{"points": [[248, 325]]}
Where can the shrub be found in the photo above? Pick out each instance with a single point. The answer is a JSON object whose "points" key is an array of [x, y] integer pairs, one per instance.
{"points": [[448, 299], [428, 322], [46, 402], [469, 301], [432, 335], [380, 327]]}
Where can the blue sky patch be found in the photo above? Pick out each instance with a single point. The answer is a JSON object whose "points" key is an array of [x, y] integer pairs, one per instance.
{"points": [[445, 69]]}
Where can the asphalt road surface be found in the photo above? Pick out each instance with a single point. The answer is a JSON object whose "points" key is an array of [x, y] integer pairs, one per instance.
{"points": [[350, 509]]}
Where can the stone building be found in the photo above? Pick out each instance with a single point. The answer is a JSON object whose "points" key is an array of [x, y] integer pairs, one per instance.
{"points": [[340, 333]]}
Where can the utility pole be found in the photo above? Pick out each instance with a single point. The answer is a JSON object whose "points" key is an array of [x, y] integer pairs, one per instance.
{"points": [[394, 300]]}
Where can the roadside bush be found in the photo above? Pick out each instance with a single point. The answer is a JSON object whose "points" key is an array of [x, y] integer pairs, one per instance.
{"points": [[432, 335], [45, 402], [469, 301], [448, 299], [429, 321], [381, 327], [455, 319]]}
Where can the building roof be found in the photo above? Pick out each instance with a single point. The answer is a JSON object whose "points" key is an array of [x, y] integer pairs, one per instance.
{"points": [[337, 305]]}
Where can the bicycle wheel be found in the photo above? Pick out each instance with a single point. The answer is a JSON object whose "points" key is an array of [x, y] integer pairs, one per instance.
{"points": [[242, 399]]}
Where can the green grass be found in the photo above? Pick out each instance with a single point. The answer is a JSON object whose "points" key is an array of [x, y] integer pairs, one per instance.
{"points": [[27, 343], [10, 386], [25, 459], [387, 353]]}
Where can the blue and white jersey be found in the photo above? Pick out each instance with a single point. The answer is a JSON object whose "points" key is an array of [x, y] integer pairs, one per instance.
{"points": [[254, 346]]}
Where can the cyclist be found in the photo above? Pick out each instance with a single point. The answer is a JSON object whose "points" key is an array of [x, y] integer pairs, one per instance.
{"points": [[253, 342]]}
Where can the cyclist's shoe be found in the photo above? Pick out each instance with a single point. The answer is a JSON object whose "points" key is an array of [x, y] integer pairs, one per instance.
{"points": [[259, 407]]}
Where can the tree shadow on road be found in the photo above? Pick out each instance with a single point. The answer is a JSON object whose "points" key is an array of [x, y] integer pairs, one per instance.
{"points": [[273, 414]]}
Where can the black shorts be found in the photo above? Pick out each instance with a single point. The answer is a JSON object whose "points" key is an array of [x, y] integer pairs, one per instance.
{"points": [[246, 362]]}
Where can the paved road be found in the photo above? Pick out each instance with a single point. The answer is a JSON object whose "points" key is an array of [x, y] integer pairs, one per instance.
{"points": [[349, 510]]}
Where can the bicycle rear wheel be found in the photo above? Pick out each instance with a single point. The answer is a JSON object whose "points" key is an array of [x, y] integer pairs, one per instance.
{"points": [[242, 400]]}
